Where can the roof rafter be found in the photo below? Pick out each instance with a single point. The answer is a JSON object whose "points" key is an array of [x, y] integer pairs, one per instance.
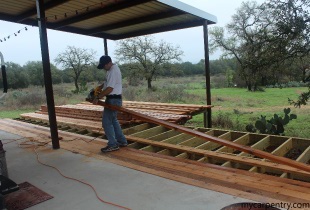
{"points": [[160, 29], [82, 32], [33, 11], [98, 12], [136, 21]]}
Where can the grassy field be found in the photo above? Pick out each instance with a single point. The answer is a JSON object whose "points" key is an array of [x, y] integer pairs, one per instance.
{"points": [[243, 107], [234, 108]]}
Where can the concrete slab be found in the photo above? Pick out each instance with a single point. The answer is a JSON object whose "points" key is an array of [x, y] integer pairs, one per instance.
{"points": [[113, 183]]}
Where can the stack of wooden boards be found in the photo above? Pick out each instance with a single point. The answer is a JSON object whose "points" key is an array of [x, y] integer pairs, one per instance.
{"points": [[175, 113]]}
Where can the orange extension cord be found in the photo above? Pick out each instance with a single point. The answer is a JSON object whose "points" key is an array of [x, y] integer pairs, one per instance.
{"points": [[38, 159]]}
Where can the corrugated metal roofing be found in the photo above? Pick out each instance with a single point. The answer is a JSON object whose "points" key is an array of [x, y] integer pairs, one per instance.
{"points": [[111, 19]]}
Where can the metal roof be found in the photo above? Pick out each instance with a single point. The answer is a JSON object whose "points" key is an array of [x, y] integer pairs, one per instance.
{"points": [[110, 19]]}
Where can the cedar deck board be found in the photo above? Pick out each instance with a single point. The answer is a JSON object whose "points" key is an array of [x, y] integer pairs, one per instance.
{"points": [[259, 190], [166, 110], [88, 112], [168, 104]]}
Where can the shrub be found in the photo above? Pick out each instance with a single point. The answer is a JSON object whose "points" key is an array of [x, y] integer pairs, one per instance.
{"points": [[174, 93], [222, 120], [62, 92], [288, 84], [32, 98], [130, 93], [218, 81]]}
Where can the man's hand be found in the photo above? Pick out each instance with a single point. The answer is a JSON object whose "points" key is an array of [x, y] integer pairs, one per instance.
{"points": [[95, 101]]}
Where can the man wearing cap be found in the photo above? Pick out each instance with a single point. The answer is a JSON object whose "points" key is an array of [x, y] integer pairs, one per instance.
{"points": [[112, 90]]}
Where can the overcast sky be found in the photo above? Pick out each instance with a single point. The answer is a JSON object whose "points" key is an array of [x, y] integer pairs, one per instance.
{"points": [[26, 45]]}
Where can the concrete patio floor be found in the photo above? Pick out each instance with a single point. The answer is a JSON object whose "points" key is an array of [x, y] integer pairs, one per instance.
{"points": [[113, 183]]}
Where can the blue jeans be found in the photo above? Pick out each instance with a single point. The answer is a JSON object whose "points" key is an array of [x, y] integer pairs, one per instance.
{"points": [[111, 126]]}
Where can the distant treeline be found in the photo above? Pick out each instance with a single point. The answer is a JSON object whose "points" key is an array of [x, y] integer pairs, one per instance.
{"points": [[32, 73]]}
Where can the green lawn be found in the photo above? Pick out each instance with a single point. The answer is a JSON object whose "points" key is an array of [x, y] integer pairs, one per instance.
{"points": [[244, 107], [13, 113]]}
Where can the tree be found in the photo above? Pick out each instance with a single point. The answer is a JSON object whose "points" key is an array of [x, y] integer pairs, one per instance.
{"points": [[76, 60], [146, 56], [265, 38], [35, 72], [172, 70], [192, 69], [221, 65], [56, 74], [17, 76], [292, 29], [245, 42]]}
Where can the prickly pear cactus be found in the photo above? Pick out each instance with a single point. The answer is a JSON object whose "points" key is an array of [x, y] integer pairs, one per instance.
{"points": [[273, 126]]}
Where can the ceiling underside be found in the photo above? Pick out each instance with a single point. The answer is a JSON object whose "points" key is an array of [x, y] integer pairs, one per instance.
{"points": [[110, 19]]}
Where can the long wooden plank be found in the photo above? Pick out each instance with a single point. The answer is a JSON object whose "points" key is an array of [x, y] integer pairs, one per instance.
{"points": [[168, 104], [79, 123], [234, 145]]}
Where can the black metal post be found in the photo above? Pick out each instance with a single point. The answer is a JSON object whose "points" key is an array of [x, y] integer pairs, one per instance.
{"points": [[207, 71], [47, 74], [105, 46]]}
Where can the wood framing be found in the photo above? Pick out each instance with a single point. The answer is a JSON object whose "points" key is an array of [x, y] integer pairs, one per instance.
{"points": [[235, 181]]}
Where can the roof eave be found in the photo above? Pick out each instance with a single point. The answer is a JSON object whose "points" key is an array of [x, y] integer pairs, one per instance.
{"points": [[192, 10]]}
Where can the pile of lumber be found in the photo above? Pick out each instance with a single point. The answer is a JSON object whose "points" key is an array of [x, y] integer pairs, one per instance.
{"points": [[175, 113]]}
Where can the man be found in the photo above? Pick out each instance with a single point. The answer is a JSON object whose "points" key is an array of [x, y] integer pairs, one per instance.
{"points": [[112, 90]]}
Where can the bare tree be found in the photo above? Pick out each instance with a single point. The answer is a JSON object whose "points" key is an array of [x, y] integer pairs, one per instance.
{"points": [[146, 56], [76, 59]]}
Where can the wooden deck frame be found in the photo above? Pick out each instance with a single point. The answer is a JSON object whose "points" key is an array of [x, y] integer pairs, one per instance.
{"points": [[242, 148], [177, 138], [254, 186]]}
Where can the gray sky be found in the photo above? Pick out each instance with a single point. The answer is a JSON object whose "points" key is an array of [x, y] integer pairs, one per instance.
{"points": [[26, 45]]}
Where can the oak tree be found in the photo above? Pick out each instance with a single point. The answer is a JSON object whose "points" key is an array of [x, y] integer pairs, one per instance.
{"points": [[145, 56], [76, 60]]}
